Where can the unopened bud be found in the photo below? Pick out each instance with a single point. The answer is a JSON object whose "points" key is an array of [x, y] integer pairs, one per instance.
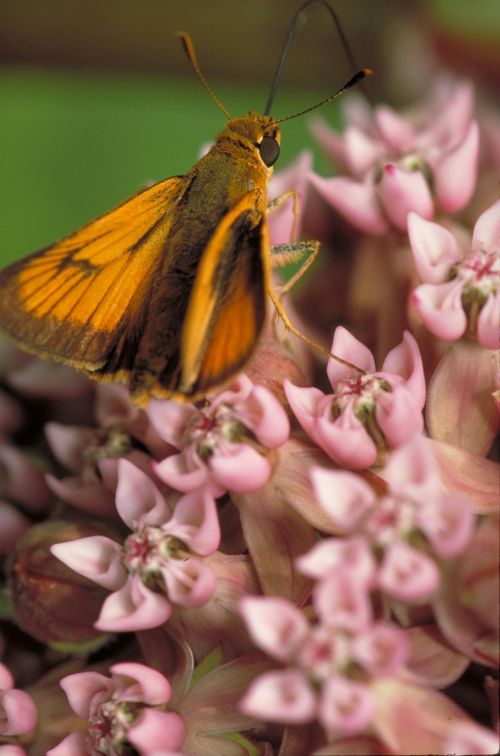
{"points": [[51, 602]]}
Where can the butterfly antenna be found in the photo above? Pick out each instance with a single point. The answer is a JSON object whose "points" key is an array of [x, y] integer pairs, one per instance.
{"points": [[292, 29], [188, 46], [352, 81]]}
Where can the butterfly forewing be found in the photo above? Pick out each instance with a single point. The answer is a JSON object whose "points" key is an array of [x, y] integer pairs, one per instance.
{"points": [[74, 300]]}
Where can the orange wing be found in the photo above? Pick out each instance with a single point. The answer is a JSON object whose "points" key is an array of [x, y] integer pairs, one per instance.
{"points": [[226, 310], [73, 301]]}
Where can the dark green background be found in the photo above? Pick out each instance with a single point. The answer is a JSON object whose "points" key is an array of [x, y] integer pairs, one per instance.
{"points": [[97, 98]]}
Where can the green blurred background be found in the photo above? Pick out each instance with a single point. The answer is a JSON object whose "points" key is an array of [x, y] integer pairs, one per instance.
{"points": [[96, 96]]}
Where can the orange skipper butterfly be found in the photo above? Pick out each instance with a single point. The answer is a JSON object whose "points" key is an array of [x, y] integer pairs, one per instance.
{"points": [[167, 292]]}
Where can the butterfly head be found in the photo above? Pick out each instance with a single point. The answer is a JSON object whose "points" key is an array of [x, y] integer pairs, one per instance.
{"points": [[256, 132]]}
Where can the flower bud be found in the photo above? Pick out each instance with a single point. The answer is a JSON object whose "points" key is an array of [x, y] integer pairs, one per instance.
{"points": [[51, 602]]}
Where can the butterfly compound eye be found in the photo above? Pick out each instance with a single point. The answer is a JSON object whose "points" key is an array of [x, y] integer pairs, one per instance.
{"points": [[269, 151]]}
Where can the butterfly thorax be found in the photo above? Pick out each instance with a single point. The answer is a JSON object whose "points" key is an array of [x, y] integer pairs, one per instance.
{"points": [[241, 153]]}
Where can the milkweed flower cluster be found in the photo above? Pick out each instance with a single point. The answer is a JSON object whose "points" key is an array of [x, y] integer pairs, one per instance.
{"points": [[400, 164], [301, 563]]}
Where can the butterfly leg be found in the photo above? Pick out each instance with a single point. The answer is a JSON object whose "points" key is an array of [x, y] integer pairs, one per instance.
{"points": [[275, 203], [282, 254], [276, 300]]}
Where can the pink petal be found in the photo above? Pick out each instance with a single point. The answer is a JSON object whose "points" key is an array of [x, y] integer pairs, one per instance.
{"points": [[195, 522], [345, 345], [136, 682], [440, 307], [448, 523], [68, 443], [455, 174], [345, 706], [453, 112], [328, 139], [280, 697], [94, 497], [74, 743], [402, 191], [185, 472], [355, 201], [361, 152], [398, 416], [330, 555], [346, 441], [263, 414], [81, 688], [396, 131], [381, 650], [157, 732], [18, 713], [133, 607], [242, 469], [341, 601], [344, 496], [189, 582], [434, 248], [469, 739], [486, 233], [137, 498], [405, 360], [275, 625], [96, 557], [303, 402], [488, 322], [411, 471], [236, 394], [170, 419], [407, 574]]}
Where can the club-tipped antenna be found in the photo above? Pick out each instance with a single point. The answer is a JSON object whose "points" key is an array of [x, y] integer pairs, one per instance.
{"points": [[187, 44], [352, 81], [298, 17]]}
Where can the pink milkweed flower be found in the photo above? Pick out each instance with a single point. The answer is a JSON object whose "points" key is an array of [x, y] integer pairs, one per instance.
{"points": [[398, 164], [222, 446], [408, 531], [115, 413], [461, 287], [18, 713], [328, 667], [159, 564], [367, 412], [126, 711], [92, 455]]}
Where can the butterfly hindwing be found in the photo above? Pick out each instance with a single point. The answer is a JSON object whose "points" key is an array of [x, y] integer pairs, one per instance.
{"points": [[226, 310], [73, 300]]}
